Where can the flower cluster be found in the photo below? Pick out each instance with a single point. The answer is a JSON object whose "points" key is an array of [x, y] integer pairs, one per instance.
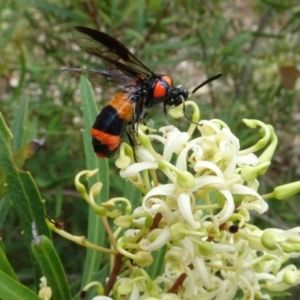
{"points": [[195, 220]]}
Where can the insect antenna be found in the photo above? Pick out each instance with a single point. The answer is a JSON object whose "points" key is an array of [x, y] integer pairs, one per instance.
{"points": [[205, 83], [196, 89]]}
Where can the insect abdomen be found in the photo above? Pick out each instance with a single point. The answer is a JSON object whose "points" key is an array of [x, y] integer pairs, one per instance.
{"points": [[110, 125]]}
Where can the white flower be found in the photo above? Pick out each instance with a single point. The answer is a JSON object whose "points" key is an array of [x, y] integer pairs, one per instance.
{"points": [[206, 186], [198, 193]]}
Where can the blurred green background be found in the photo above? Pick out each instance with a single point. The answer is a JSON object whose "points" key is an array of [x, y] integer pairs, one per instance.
{"points": [[254, 44]]}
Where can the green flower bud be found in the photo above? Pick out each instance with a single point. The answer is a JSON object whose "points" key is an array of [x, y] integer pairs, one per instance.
{"points": [[178, 231], [122, 221], [206, 248], [143, 258], [250, 173], [269, 240], [289, 247], [185, 180], [124, 289], [287, 190], [290, 277]]}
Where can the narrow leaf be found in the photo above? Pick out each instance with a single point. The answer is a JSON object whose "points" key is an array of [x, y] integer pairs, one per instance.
{"points": [[12, 289], [23, 193], [96, 231], [18, 127], [51, 267], [5, 204], [156, 268], [132, 194], [5, 266]]}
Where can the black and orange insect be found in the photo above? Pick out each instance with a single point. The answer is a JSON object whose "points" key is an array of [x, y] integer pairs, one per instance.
{"points": [[139, 89]]}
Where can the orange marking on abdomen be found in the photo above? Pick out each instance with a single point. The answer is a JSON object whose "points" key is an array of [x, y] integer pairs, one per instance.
{"points": [[111, 141], [123, 105]]}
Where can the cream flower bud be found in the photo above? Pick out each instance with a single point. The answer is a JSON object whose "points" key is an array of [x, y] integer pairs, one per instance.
{"points": [[45, 293], [125, 156], [123, 221], [174, 256]]}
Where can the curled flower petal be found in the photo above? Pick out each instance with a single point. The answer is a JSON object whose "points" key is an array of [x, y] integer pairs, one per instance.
{"points": [[135, 168], [201, 271], [228, 208], [165, 190], [144, 155], [222, 248], [231, 162], [184, 205], [189, 284], [249, 159], [135, 293], [208, 128], [208, 180], [253, 202], [207, 165], [182, 158], [161, 240], [188, 245], [173, 142]]}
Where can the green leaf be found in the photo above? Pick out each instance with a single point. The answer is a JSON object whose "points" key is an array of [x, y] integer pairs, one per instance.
{"points": [[11, 289], [277, 5], [19, 159], [24, 152], [132, 193], [19, 125], [5, 204], [235, 45], [23, 193], [96, 231], [5, 265], [156, 268], [51, 266]]}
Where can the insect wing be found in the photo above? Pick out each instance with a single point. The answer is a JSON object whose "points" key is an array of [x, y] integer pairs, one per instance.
{"points": [[108, 79], [114, 54]]}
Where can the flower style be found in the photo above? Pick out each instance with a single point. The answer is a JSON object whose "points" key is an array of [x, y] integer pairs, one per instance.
{"points": [[195, 213]]}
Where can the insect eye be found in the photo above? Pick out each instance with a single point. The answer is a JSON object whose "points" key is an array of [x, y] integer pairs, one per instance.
{"points": [[183, 92]]}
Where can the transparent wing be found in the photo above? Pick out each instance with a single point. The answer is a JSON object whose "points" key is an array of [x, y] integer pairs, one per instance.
{"points": [[114, 54], [108, 79]]}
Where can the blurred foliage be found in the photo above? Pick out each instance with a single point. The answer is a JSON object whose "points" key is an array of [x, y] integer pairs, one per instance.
{"points": [[253, 43]]}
